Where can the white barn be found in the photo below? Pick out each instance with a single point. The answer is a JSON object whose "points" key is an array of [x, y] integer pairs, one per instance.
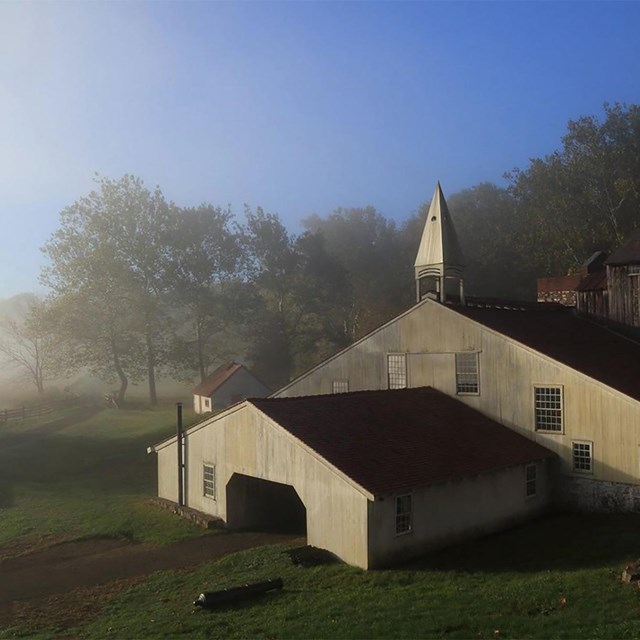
{"points": [[228, 384], [374, 476]]}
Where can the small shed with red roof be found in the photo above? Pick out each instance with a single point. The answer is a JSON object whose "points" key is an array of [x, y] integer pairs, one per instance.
{"points": [[372, 476], [228, 384]]}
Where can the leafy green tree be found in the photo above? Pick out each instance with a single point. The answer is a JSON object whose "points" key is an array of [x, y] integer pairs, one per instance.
{"points": [[291, 281], [489, 233], [205, 268], [583, 197], [371, 252], [110, 253]]}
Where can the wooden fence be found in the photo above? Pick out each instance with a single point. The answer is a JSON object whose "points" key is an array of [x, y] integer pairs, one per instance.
{"points": [[32, 411]]}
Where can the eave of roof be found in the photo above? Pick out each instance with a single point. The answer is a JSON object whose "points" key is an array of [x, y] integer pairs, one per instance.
{"points": [[593, 282]]}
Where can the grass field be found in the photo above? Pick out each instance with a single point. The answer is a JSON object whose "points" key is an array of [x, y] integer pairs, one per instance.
{"points": [[555, 578], [89, 479]]}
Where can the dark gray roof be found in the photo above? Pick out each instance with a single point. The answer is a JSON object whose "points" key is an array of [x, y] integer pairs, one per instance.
{"points": [[628, 253]]}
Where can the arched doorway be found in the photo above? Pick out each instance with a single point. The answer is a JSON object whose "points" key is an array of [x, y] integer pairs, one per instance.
{"points": [[262, 505]]}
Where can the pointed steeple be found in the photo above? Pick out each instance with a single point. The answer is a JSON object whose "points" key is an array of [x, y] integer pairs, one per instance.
{"points": [[439, 255]]}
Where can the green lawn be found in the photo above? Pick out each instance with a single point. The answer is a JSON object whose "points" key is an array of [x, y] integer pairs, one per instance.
{"points": [[556, 578], [89, 479]]}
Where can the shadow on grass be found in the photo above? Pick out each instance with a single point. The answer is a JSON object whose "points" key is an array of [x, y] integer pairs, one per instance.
{"points": [[559, 542], [108, 466], [7, 494]]}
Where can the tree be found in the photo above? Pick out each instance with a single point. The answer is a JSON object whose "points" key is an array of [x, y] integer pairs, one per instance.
{"points": [[489, 233], [583, 197], [291, 282], [207, 292], [110, 254], [370, 251], [29, 345]]}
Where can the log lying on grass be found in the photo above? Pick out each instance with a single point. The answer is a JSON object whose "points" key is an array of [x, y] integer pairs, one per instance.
{"points": [[212, 599]]}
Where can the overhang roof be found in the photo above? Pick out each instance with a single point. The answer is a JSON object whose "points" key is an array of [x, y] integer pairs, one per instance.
{"points": [[216, 379], [593, 282], [396, 440], [561, 334], [628, 253]]}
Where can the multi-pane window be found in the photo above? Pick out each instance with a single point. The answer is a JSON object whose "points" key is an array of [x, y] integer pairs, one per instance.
{"points": [[209, 480], [403, 514], [548, 403], [530, 480], [340, 386], [397, 370], [467, 375], [582, 456]]}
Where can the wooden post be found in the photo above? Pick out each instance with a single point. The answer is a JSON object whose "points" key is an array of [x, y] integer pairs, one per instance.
{"points": [[180, 460]]}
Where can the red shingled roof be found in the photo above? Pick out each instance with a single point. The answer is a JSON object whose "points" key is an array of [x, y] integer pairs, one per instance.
{"points": [[575, 341], [392, 441], [216, 379]]}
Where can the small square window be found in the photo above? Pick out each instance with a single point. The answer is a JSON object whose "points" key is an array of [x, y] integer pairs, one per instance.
{"points": [[531, 476], [582, 456], [340, 386], [397, 370], [467, 373], [548, 408], [209, 480], [404, 514]]}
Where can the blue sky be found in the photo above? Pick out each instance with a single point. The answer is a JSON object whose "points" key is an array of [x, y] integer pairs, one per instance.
{"points": [[299, 107]]}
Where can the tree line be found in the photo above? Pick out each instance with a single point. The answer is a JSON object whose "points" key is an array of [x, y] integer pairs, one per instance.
{"points": [[141, 287]]}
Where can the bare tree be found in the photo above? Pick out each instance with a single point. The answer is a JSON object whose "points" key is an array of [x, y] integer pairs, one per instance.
{"points": [[27, 345]]}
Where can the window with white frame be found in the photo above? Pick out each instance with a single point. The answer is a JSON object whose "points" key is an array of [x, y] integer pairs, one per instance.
{"points": [[404, 514], [207, 403], [467, 373], [397, 370], [582, 456], [548, 408], [340, 386], [531, 477], [209, 480]]}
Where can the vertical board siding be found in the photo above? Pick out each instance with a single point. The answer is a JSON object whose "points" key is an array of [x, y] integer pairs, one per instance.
{"points": [[622, 289]]}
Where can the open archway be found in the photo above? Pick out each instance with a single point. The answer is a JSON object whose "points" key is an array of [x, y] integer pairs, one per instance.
{"points": [[262, 505]]}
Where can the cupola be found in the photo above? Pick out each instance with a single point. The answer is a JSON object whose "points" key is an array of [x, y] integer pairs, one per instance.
{"points": [[439, 258]]}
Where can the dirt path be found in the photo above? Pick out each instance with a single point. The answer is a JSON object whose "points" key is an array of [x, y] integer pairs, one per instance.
{"points": [[60, 569]]}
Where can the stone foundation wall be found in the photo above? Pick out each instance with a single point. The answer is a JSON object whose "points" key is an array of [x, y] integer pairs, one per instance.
{"points": [[566, 298], [204, 520], [597, 496]]}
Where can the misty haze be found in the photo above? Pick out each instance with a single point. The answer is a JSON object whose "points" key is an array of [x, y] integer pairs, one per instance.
{"points": [[322, 317]]}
